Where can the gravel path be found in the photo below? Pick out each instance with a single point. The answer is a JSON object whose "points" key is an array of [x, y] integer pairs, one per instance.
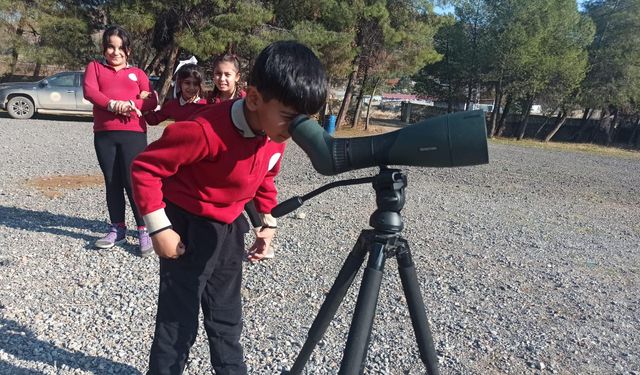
{"points": [[528, 265]]}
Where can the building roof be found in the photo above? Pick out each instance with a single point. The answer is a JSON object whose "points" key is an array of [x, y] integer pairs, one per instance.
{"points": [[396, 96]]}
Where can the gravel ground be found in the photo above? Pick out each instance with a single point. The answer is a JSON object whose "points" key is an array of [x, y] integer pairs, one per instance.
{"points": [[527, 265]]}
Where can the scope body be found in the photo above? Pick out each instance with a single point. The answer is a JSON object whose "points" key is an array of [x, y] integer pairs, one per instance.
{"points": [[453, 140]]}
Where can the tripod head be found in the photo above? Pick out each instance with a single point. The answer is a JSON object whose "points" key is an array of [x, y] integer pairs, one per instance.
{"points": [[389, 186]]}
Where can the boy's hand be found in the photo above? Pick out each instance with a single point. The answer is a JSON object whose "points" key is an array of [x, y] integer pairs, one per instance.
{"points": [[167, 244], [144, 94], [260, 248]]}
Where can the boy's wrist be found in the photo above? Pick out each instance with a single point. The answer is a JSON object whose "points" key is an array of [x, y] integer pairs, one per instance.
{"points": [[157, 221], [151, 234], [268, 221]]}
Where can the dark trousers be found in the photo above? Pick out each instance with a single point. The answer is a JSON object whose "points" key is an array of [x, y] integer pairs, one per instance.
{"points": [[116, 151], [209, 274]]}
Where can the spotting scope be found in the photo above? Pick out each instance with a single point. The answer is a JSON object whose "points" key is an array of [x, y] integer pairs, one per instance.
{"points": [[453, 140]]}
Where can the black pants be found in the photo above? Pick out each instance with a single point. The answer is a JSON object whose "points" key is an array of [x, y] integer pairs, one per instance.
{"points": [[116, 150], [209, 274]]}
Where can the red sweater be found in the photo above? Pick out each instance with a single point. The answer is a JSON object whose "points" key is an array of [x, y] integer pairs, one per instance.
{"points": [[102, 83], [174, 110], [210, 166]]}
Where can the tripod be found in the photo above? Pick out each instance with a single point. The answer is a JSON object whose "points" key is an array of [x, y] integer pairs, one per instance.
{"points": [[383, 242]]}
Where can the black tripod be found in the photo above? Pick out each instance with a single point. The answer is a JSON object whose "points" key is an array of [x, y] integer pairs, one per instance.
{"points": [[383, 242]]}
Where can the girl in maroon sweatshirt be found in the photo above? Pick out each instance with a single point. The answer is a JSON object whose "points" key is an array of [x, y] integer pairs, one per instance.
{"points": [[188, 101], [114, 87], [226, 75]]}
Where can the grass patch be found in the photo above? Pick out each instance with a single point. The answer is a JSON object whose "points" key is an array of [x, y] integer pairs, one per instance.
{"points": [[572, 147], [53, 186]]}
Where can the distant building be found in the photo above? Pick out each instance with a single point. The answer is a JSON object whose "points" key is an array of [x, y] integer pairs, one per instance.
{"points": [[411, 98]]}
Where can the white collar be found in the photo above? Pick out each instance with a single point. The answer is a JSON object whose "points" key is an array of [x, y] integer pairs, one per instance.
{"points": [[183, 102], [239, 120]]}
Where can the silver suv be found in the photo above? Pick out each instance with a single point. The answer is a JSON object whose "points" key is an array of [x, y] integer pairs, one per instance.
{"points": [[60, 94]]}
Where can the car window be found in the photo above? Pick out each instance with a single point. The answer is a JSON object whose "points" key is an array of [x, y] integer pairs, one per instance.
{"points": [[62, 80]]}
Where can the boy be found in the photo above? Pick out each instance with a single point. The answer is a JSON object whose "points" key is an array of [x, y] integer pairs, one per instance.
{"points": [[191, 185]]}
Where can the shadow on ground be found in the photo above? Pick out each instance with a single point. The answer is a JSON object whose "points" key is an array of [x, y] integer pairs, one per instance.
{"points": [[20, 342], [40, 221], [6, 368], [60, 225]]}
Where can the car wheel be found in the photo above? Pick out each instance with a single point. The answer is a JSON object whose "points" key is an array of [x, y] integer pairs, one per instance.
{"points": [[20, 107]]}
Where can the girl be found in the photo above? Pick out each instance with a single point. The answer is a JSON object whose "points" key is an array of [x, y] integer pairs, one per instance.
{"points": [[226, 74], [188, 100], [114, 87]]}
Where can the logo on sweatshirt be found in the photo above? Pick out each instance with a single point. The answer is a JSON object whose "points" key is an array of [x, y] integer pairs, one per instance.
{"points": [[133, 77], [274, 159]]}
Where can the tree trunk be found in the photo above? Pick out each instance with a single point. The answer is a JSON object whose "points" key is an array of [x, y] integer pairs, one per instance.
{"points": [[546, 120], [635, 132], [373, 93], [469, 93], [14, 48], [168, 72], [155, 62], [586, 115], [503, 118], [562, 118], [356, 115], [346, 101], [613, 125], [496, 110], [323, 113], [525, 117], [448, 77], [604, 122], [36, 70]]}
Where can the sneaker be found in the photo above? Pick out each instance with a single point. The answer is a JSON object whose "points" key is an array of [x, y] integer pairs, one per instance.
{"points": [[116, 236], [146, 246]]}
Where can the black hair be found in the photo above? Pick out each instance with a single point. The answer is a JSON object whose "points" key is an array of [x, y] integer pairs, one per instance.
{"points": [[292, 74], [189, 71], [231, 58], [227, 57], [119, 32]]}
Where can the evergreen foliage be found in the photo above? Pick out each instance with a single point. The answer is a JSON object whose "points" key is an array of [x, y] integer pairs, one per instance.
{"points": [[515, 51]]}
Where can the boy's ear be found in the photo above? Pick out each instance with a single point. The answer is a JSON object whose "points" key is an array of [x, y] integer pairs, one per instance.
{"points": [[253, 99]]}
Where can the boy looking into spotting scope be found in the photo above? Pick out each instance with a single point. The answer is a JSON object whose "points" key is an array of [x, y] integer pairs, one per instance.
{"points": [[191, 186]]}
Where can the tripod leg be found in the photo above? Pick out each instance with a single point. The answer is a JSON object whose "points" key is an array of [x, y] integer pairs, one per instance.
{"points": [[358, 341], [411, 288], [332, 302]]}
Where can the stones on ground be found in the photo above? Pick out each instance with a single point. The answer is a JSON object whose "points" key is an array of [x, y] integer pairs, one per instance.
{"points": [[511, 285]]}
